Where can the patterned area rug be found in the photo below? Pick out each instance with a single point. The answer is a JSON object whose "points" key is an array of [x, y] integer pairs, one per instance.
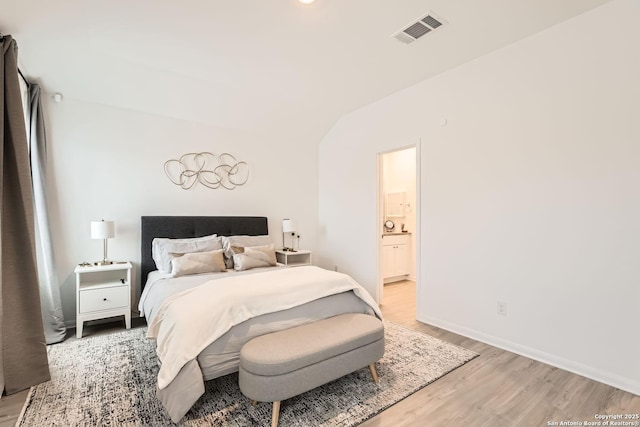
{"points": [[109, 380]]}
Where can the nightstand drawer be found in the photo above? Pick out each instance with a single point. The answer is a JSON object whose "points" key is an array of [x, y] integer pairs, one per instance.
{"points": [[103, 299]]}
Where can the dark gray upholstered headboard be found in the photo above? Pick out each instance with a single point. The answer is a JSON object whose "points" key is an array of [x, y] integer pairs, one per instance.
{"points": [[180, 227]]}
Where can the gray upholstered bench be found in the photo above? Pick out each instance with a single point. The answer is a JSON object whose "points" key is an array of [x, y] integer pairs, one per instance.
{"points": [[283, 364]]}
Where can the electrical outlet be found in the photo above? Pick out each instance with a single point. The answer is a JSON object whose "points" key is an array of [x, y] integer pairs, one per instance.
{"points": [[502, 308]]}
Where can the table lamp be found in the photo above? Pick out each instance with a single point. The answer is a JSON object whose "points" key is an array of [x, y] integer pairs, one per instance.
{"points": [[103, 230], [288, 226]]}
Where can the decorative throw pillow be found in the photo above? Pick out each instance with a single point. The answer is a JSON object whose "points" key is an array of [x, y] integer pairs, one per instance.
{"points": [[197, 262], [161, 248], [241, 241], [245, 258]]}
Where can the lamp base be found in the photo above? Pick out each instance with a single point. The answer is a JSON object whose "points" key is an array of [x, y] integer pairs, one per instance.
{"points": [[103, 262]]}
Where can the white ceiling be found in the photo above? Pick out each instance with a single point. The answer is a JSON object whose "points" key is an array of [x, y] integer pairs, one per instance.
{"points": [[258, 65]]}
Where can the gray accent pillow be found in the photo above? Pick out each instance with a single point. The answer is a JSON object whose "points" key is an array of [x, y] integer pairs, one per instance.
{"points": [[246, 258], [241, 241], [197, 262]]}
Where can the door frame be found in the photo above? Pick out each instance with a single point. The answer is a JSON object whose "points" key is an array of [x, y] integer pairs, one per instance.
{"points": [[380, 217]]}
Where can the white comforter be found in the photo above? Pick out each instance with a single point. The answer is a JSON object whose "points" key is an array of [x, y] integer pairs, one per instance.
{"points": [[189, 321]]}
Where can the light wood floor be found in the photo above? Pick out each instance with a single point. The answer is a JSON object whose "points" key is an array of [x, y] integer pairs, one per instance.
{"points": [[496, 389]]}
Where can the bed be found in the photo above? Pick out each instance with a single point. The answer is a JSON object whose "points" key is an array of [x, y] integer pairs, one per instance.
{"points": [[200, 321]]}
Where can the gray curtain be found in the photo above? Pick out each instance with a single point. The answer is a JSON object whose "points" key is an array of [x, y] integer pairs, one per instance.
{"points": [[23, 354], [52, 317]]}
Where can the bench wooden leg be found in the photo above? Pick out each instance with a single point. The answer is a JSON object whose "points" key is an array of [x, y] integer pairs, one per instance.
{"points": [[254, 402], [374, 373], [276, 414]]}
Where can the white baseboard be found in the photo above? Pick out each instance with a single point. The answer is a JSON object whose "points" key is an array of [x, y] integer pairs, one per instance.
{"points": [[394, 279], [608, 378]]}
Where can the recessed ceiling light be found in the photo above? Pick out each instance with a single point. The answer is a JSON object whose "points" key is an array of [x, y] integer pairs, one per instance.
{"points": [[306, 1]]}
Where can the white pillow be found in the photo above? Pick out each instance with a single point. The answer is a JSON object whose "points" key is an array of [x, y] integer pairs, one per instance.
{"points": [[241, 241], [197, 262], [161, 248], [253, 257]]}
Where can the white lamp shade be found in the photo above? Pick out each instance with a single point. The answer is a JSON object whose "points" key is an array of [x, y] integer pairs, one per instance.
{"points": [[102, 229], [288, 226]]}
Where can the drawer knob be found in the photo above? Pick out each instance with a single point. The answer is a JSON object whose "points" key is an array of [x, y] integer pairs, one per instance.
{"points": [[104, 299]]}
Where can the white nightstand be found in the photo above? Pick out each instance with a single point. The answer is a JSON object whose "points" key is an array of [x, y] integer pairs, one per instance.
{"points": [[293, 259], [103, 291]]}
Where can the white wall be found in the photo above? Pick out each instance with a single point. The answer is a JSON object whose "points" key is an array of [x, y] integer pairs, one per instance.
{"points": [[107, 163], [529, 195], [400, 176]]}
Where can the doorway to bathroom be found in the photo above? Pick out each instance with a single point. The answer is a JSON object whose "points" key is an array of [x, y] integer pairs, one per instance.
{"points": [[398, 230]]}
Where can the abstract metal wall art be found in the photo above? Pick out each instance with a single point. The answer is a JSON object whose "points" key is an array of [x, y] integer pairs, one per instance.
{"points": [[211, 170]]}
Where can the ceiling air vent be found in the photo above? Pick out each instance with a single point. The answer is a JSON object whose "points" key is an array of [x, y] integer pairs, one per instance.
{"points": [[418, 28]]}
